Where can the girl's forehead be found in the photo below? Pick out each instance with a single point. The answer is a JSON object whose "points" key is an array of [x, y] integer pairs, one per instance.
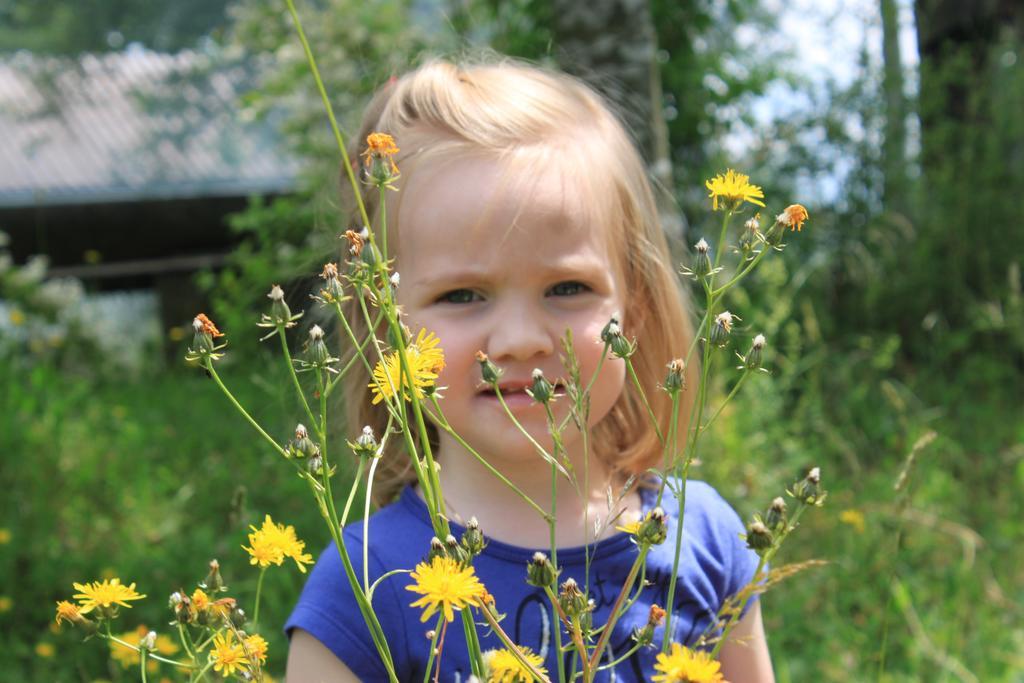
{"points": [[477, 201]]}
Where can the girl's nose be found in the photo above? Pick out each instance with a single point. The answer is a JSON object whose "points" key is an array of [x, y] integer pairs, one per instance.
{"points": [[519, 333]]}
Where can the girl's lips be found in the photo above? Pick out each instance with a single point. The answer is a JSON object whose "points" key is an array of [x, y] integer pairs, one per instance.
{"points": [[514, 398]]}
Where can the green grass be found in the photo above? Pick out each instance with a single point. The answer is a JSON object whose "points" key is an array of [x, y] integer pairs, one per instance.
{"points": [[149, 479]]}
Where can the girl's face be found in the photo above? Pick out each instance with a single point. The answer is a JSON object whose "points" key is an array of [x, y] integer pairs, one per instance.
{"points": [[487, 269]]}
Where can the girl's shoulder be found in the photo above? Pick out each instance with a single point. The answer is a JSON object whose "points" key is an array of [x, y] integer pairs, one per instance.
{"points": [[703, 503]]}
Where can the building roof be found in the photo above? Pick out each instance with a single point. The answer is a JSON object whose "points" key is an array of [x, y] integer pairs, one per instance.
{"points": [[132, 125]]}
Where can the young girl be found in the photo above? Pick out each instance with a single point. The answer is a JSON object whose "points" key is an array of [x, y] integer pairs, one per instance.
{"points": [[523, 210]]}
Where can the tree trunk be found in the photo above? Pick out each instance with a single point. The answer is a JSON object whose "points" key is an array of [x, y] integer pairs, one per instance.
{"points": [[894, 148], [612, 45]]}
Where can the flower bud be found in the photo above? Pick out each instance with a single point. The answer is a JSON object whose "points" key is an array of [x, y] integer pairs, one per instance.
{"points": [[702, 258], [316, 350], [571, 599], [148, 642], [752, 361], [280, 314], [355, 242], [808, 490], [488, 370], [540, 572], [204, 334], [238, 617], [751, 231], [619, 345], [213, 581], [333, 289], [302, 446], [370, 255], [653, 529], [775, 518], [606, 331], [436, 549], [181, 604], [644, 636], [541, 390], [674, 380], [472, 538], [721, 328], [366, 443], [759, 538], [316, 463]]}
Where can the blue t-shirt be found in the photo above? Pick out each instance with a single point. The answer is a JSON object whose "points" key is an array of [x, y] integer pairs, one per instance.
{"points": [[715, 564]]}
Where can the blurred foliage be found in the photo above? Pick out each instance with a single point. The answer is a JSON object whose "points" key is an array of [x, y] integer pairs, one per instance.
{"points": [[882, 327], [73, 26]]}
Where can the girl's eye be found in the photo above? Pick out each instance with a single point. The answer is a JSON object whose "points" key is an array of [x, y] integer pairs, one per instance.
{"points": [[570, 288], [459, 296]]}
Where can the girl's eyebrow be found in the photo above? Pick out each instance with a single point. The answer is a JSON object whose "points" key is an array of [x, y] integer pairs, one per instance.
{"points": [[569, 269]]}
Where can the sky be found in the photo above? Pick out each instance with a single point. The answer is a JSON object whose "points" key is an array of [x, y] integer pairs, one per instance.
{"points": [[827, 37]]}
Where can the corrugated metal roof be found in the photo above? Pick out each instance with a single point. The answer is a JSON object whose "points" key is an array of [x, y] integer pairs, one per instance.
{"points": [[132, 125]]}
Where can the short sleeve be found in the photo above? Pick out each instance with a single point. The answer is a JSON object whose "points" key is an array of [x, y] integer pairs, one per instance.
{"points": [[723, 530], [328, 610]]}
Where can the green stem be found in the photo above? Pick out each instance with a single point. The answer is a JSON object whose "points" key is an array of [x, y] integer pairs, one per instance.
{"points": [[234, 402], [330, 112], [613, 617], [761, 564], [433, 648], [443, 425], [512, 647], [619, 660], [556, 437], [574, 633], [728, 398], [142, 664], [259, 588], [352, 492], [359, 349], [117, 640], [540, 449], [643, 397], [366, 520], [295, 380], [721, 237]]}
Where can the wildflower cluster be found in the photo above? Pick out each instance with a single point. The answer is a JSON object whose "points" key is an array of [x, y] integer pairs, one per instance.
{"points": [[403, 372], [272, 543]]}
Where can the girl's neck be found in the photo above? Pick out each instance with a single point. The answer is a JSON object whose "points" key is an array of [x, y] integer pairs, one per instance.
{"points": [[470, 490]]}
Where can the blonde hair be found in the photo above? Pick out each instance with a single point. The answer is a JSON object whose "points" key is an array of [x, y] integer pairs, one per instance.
{"points": [[500, 107]]}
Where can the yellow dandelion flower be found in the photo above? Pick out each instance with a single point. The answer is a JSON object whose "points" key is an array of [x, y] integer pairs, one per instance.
{"points": [[263, 551], [425, 361], [854, 518], [45, 650], [105, 593], [793, 217], [629, 527], [5, 603], [445, 586], [683, 665], [272, 543], [227, 654], [5, 536], [503, 667], [200, 600], [256, 647], [734, 188], [67, 611]]}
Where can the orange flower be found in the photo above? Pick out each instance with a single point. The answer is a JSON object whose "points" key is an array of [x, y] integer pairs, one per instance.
{"points": [[381, 146], [207, 326], [793, 216]]}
